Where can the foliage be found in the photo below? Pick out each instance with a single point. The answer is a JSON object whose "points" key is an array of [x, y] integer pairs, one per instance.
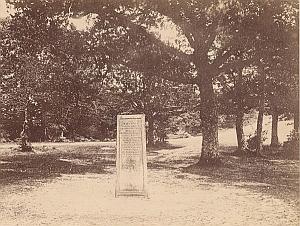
{"points": [[291, 146], [252, 141], [80, 80]]}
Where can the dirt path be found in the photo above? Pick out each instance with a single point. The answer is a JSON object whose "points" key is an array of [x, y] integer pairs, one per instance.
{"points": [[176, 198]]}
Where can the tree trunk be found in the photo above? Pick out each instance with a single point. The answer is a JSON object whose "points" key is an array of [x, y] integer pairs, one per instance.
{"points": [[296, 117], [239, 123], [62, 134], [261, 109], [259, 126], [274, 138], [209, 121], [296, 121], [150, 134], [25, 146], [44, 136]]}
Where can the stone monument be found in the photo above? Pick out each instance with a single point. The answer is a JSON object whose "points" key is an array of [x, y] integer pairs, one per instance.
{"points": [[131, 156]]}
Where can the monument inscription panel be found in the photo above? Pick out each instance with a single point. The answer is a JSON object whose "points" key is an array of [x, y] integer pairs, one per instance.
{"points": [[131, 155]]}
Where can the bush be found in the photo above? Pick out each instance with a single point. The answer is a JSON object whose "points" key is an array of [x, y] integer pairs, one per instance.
{"points": [[4, 136], [252, 140], [55, 131], [291, 146]]}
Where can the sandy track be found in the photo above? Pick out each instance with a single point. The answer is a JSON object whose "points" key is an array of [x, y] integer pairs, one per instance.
{"points": [[175, 198], [89, 200]]}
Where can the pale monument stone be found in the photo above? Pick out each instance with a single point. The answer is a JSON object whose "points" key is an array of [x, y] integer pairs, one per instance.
{"points": [[131, 156]]}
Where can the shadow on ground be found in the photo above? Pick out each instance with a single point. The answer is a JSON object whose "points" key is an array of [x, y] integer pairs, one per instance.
{"points": [[154, 151], [161, 165], [47, 164], [161, 146], [268, 175]]}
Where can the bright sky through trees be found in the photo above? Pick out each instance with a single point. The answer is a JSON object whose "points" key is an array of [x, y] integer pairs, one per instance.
{"points": [[3, 9], [168, 32]]}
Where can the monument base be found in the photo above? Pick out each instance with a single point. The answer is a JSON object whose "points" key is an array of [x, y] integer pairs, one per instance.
{"points": [[131, 193]]}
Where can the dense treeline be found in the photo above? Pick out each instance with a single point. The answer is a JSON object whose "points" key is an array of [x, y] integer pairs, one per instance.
{"points": [[58, 82]]}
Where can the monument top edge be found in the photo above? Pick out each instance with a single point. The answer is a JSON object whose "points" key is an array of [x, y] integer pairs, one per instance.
{"points": [[132, 116]]}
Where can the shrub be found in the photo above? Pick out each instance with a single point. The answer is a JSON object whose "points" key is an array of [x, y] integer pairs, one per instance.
{"points": [[291, 146], [252, 140]]}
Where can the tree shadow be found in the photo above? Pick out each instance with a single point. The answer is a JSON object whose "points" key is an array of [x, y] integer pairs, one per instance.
{"points": [[50, 165], [274, 177], [227, 150], [162, 146], [160, 165]]}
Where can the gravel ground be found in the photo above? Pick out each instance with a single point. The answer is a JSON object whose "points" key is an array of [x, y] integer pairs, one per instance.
{"points": [[89, 200], [175, 198]]}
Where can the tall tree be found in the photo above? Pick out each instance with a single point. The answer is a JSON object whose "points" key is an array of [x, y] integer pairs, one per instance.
{"points": [[273, 51], [212, 29]]}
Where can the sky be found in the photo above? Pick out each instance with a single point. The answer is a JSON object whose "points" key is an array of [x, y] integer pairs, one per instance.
{"points": [[83, 23], [3, 9], [167, 33]]}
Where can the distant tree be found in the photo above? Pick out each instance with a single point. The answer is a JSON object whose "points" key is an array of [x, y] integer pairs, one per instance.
{"points": [[28, 38], [262, 54], [66, 67], [273, 51], [151, 95]]}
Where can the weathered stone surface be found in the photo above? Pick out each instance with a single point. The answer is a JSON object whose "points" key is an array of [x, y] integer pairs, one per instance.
{"points": [[131, 155]]}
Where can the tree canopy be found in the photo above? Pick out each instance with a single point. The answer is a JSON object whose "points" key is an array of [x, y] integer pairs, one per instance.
{"points": [[75, 74]]}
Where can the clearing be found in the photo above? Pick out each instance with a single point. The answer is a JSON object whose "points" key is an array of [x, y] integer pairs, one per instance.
{"points": [[73, 184]]}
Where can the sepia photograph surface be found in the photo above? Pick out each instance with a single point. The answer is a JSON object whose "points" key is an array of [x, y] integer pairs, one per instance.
{"points": [[149, 112]]}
